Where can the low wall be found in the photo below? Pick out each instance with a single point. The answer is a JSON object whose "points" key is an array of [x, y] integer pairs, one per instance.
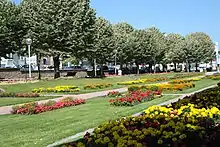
{"points": [[16, 74]]}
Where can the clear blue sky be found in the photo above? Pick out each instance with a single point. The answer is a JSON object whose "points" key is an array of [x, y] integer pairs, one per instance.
{"points": [[177, 16]]}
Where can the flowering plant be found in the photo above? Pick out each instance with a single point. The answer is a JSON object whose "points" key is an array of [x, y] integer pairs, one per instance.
{"points": [[175, 125], [162, 87], [214, 77], [114, 94], [133, 98], [142, 81], [184, 81], [57, 89], [34, 108], [205, 99], [25, 95], [185, 75], [159, 126], [97, 86]]}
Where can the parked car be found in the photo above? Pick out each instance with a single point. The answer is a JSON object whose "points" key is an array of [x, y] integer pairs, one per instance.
{"points": [[111, 70], [26, 68], [74, 68]]}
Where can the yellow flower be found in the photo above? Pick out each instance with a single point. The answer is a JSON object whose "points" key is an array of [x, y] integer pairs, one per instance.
{"points": [[174, 139], [160, 141]]}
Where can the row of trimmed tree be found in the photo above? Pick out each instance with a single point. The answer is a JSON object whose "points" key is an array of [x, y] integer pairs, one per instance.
{"points": [[61, 27]]}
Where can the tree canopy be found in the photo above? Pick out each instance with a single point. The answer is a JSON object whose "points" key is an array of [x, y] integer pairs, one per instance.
{"points": [[63, 27]]}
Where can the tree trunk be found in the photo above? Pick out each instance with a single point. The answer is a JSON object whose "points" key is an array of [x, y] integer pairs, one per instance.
{"points": [[164, 67], [121, 65], [56, 61], [101, 70], [154, 66], [175, 67], [150, 68], [137, 70], [38, 65], [187, 66], [196, 66]]}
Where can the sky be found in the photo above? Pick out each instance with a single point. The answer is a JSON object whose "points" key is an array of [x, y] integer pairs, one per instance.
{"points": [[170, 16]]}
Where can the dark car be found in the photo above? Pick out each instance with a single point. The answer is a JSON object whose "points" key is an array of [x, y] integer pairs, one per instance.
{"points": [[111, 70], [25, 68]]}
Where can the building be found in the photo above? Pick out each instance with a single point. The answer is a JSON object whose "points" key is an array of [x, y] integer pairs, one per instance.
{"points": [[17, 61]]}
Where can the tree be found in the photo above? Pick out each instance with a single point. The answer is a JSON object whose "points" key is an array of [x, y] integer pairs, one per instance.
{"points": [[201, 47], [174, 49], [139, 47], [156, 45], [11, 28], [61, 26], [121, 37], [103, 42]]}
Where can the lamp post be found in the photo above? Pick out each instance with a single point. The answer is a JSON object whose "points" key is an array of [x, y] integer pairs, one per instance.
{"points": [[115, 61], [95, 67], [217, 56], [28, 42]]}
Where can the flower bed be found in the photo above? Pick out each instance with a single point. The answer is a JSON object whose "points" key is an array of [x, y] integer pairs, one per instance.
{"points": [[134, 98], [25, 95], [184, 81], [34, 108], [214, 77], [206, 99], [98, 86], [57, 89], [186, 75], [114, 94], [142, 81], [161, 126], [162, 87]]}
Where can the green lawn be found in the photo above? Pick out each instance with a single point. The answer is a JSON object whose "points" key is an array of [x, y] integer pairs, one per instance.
{"points": [[13, 101], [27, 87], [49, 127], [46, 128]]}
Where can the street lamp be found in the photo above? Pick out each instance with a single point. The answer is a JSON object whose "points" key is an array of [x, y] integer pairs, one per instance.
{"points": [[115, 61], [28, 42], [217, 56]]}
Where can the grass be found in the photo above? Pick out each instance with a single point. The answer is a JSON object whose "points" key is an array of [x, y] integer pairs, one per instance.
{"points": [[46, 128], [13, 101], [28, 87]]}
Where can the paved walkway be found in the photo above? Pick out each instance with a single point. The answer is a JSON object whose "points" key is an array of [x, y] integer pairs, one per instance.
{"points": [[8, 109], [78, 135]]}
